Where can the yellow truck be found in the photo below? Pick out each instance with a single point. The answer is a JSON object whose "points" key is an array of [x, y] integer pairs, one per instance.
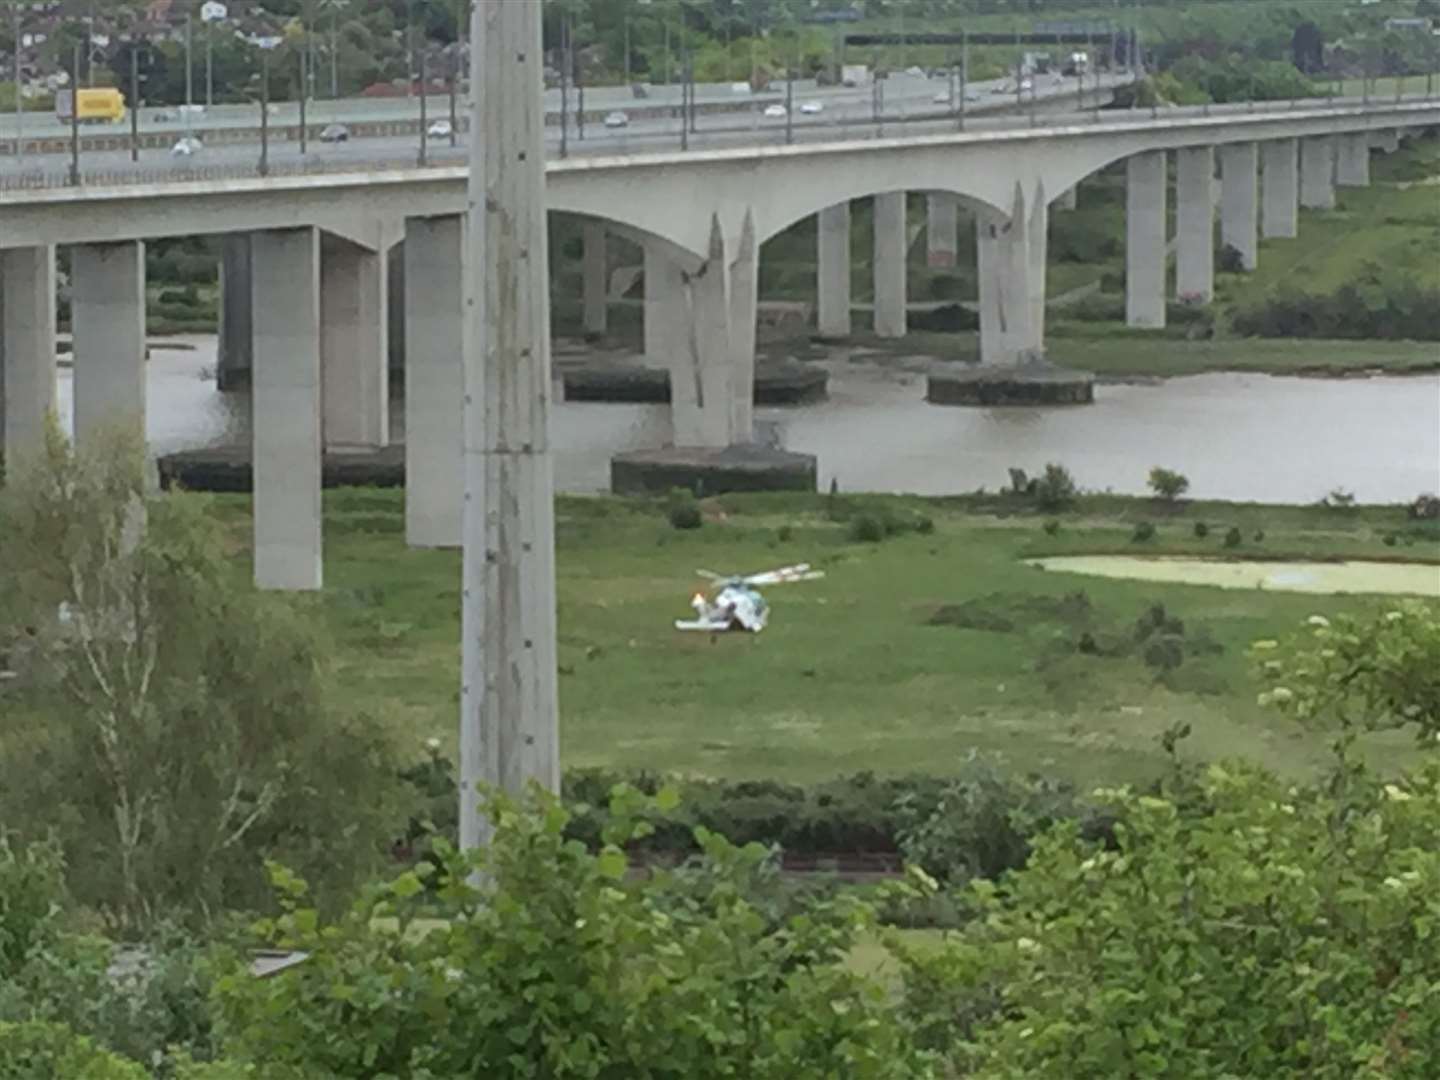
{"points": [[101, 105]]}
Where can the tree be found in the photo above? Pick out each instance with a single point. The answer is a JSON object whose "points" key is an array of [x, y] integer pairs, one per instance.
{"points": [[1168, 485], [185, 711], [1307, 48]]}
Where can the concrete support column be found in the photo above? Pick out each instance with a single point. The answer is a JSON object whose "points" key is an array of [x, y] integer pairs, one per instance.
{"points": [[743, 273], [287, 416], [27, 348], [1011, 271], [1352, 167], [833, 270], [1037, 248], [1281, 188], [891, 242], [1195, 224], [107, 317], [595, 265], [1069, 199], [666, 317], [1145, 239], [989, 263], [395, 275], [1239, 201], [233, 360], [434, 383], [1317, 172], [354, 339], [941, 213]]}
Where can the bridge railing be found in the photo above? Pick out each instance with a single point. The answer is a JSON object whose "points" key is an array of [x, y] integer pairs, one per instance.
{"points": [[830, 130]]}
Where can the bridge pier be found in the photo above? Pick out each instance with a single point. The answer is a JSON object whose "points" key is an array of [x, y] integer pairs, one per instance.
{"points": [[1352, 164], [107, 318], [941, 212], [892, 240], [1317, 173], [27, 348], [1010, 257], [832, 284], [1239, 201], [233, 361], [594, 288], [1195, 224], [1145, 228], [354, 307], [1281, 189], [434, 382], [286, 422]]}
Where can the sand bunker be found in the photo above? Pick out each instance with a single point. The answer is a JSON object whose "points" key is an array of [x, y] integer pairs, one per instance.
{"points": [[1411, 579]]}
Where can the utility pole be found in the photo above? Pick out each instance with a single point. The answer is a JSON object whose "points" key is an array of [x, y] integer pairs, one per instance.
{"points": [[303, 73], [564, 88], [334, 53], [19, 98], [454, 109], [75, 119], [424, 119], [964, 73], [135, 100], [264, 112], [189, 71], [509, 725]]}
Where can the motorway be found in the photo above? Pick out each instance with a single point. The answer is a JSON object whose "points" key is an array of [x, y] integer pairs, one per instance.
{"points": [[846, 113]]}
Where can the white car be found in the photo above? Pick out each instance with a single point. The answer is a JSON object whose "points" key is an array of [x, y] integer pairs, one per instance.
{"points": [[186, 146], [810, 108], [440, 129], [775, 112], [942, 98], [1027, 84], [617, 119]]}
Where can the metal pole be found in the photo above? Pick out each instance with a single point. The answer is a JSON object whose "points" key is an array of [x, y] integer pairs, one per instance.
{"points": [[265, 113], [789, 104], [19, 98], [964, 73], [454, 77], [303, 73], [335, 53], [579, 89], [509, 720], [684, 101], [134, 101], [209, 67], [75, 120], [424, 132], [564, 91], [627, 52], [189, 72]]}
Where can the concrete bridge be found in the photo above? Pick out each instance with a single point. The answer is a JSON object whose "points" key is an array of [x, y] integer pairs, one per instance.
{"points": [[310, 260]]}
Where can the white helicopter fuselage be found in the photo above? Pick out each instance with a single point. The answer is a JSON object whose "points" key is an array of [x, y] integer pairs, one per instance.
{"points": [[735, 607]]}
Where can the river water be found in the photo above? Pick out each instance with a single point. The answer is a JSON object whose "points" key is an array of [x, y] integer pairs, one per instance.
{"points": [[1236, 436]]}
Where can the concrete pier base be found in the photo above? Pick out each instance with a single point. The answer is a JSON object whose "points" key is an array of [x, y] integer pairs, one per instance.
{"points": [[594, 265], [1239, 201], [707, 471], [891, 242], [27, 349], [1317, 172], [434, 383], [1145, 227], [1024, 385], [833, 271], [286, 424], [354, 309], [941, 215], [107, 305], [775, 384], [1281, 189], [1352, 163], [1195, 224]]}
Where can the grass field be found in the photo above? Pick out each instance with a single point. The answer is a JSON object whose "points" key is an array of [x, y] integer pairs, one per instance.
{"points": [[850, 675]]}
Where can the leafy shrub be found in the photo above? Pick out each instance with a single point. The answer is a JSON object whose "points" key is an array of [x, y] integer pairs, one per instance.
{"points": [[1201, 530], [1233, 537], [1259, 535], [1167, 484], [41, 1051], [1055, 489], [1229, 260], [1052, 527], [1215, 921], [1339, 499], [1098, 307], [1386, 307], [1424, 508], [785, 533], [1143, 532], [867, 529], [546, 960], [684, 515]]}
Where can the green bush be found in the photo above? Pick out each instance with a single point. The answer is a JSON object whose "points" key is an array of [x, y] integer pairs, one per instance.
{"points": [[1167, 484], [1233, 537], [1201, 530], [1055, 489], [1100, 307], [1052, 527], [1144, 532], [1377, 306], [867, 529], [40, 1051], [682, 510]]}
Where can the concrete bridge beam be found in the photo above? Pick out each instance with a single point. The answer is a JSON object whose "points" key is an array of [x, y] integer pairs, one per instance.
{"points": [[1352, 163], [1317, 173], [1145, 228], [833, 271], [354, 307], [1068, 199], [1239, 201], [286, 425], [107, 318], [1195, 224], [1281, 218], [27, 348], [941, 213], [434, 382], [891, 243], [593, 270]]}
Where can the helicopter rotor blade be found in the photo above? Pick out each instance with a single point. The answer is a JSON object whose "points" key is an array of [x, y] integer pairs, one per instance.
{"points": [[784, 575]]}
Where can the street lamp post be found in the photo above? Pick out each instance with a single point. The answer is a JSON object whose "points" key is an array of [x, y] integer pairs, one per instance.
{"points": [[264, 111], [135, 99], [424, 132], [304, 73], [75, 119], [19, 98]]}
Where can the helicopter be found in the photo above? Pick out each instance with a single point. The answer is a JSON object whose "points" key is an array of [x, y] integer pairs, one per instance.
{"points": [[737, 604]]}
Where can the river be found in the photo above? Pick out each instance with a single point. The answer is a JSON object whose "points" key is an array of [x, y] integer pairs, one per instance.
{"points": [[1236, 436]]}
